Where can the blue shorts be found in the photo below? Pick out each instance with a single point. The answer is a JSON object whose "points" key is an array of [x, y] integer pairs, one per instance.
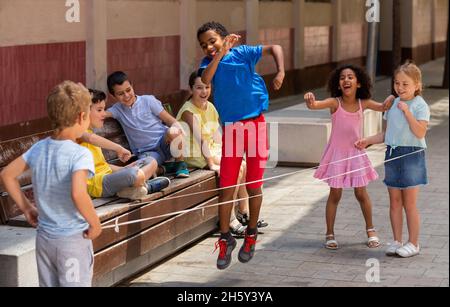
{"points": [[161, 153], [406, 172]]}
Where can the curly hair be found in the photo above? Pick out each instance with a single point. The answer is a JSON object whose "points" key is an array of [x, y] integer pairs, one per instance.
{"points": [[364, 92], [215, 26]]}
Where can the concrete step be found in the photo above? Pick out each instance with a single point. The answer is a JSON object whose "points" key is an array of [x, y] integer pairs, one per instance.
{"points": [[298, 136], [17, 257]]}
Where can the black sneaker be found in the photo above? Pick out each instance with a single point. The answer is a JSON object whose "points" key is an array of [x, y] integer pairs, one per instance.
{"points": [[157, 184], [248, 248], [225, 249], [243, 218]]}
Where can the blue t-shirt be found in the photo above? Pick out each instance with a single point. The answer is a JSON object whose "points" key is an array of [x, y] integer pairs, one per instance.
{"points": [[239, 92], [398, 132], [52, 164], [141, 123]]}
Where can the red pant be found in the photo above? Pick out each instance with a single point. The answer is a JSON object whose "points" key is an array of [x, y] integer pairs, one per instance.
{"points": [[247, 137]]}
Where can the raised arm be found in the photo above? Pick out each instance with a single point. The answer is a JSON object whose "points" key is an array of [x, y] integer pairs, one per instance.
{"points": [[9, 176], [277, 52], [379, 107], [83, 203], [313, 104], [209, 72]]}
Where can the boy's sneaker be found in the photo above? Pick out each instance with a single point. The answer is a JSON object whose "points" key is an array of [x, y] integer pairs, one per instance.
{"points": [[157, 184], [133, 193], [179, 169], [248, 248], [225, 249], [243, 218]]}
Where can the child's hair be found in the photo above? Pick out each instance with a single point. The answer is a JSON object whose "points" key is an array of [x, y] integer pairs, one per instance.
{"points": [[116, 78], [215, 26], [65, 103], [413, 71], [97, 96], [363, 92], [192, 79]]}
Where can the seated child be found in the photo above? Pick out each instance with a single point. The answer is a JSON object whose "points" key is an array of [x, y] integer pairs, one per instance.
{"points": [[144, 121]]}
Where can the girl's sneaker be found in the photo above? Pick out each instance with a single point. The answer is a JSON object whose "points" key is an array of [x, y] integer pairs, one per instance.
{"points": [[393, 247], [408, 250]]}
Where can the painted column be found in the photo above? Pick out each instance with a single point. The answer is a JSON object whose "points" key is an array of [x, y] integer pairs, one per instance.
{"points": [[299, 34], [96, 44], [252, 21], [337, 33], [188, 41]]}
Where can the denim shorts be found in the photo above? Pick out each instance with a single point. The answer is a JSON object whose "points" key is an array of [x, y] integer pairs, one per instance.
{"points": [[406, 172], [161, 153]]}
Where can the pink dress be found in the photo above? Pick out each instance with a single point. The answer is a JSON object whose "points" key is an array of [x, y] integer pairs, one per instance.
{"points": [[342, 164]]}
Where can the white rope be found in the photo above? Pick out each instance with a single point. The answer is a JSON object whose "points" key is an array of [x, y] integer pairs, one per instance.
{"points": [[117, 224], [131, 206]]}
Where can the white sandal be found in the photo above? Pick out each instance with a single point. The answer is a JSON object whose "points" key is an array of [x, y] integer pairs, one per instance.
{"points": [[331, 242], [373, 241]]}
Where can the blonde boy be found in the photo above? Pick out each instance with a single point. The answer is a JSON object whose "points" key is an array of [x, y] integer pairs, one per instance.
{"points": [[64, 215]]}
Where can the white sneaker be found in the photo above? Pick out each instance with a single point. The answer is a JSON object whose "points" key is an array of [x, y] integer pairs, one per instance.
{"points": [[392, 249], [408, 250], [133, 193]]}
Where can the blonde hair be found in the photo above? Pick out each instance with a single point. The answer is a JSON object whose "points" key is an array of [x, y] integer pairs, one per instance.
{"points": [[66, 102], [413, 71]]}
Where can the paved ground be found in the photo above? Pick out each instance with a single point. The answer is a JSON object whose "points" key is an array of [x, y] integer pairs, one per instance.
{"points": [[290, 252]]}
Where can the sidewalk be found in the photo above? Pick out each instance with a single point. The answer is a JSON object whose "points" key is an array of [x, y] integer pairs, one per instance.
{"points": [[290, 253]]}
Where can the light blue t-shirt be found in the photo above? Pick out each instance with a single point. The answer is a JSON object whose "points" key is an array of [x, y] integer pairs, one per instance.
{"points": [[398, 132], [141, 123], [52, 164], [239, 92]]}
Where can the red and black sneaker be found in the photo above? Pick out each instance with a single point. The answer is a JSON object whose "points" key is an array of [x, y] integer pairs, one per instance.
{"points": [[248, 248], [225, 249]]}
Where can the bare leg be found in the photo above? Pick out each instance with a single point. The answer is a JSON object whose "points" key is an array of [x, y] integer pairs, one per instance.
{"points": [[254, 206], [225, 210], [366, 208], [412, 214], [332, 203], [396, 213]]}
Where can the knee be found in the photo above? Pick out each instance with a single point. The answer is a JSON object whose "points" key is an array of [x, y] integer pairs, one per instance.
{"points": [[361, 195], [140, 178], [335, 196], [254, 192]]}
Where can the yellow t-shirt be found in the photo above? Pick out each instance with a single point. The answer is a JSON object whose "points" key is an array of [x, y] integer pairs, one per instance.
{"points": [[102, 168], [209, 125]]}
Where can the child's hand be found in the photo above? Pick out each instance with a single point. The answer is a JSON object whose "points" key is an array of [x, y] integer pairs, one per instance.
{"points": [[362, 144], [92, 232], [123, 154], [310, 99], [278, 81], [216, 168], [403, 106], [32, 216], [387, 104], [229, 43]]}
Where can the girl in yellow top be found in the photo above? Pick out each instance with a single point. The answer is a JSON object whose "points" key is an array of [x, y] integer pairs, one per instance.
{"points": [[109, 180], [202, 119]]}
